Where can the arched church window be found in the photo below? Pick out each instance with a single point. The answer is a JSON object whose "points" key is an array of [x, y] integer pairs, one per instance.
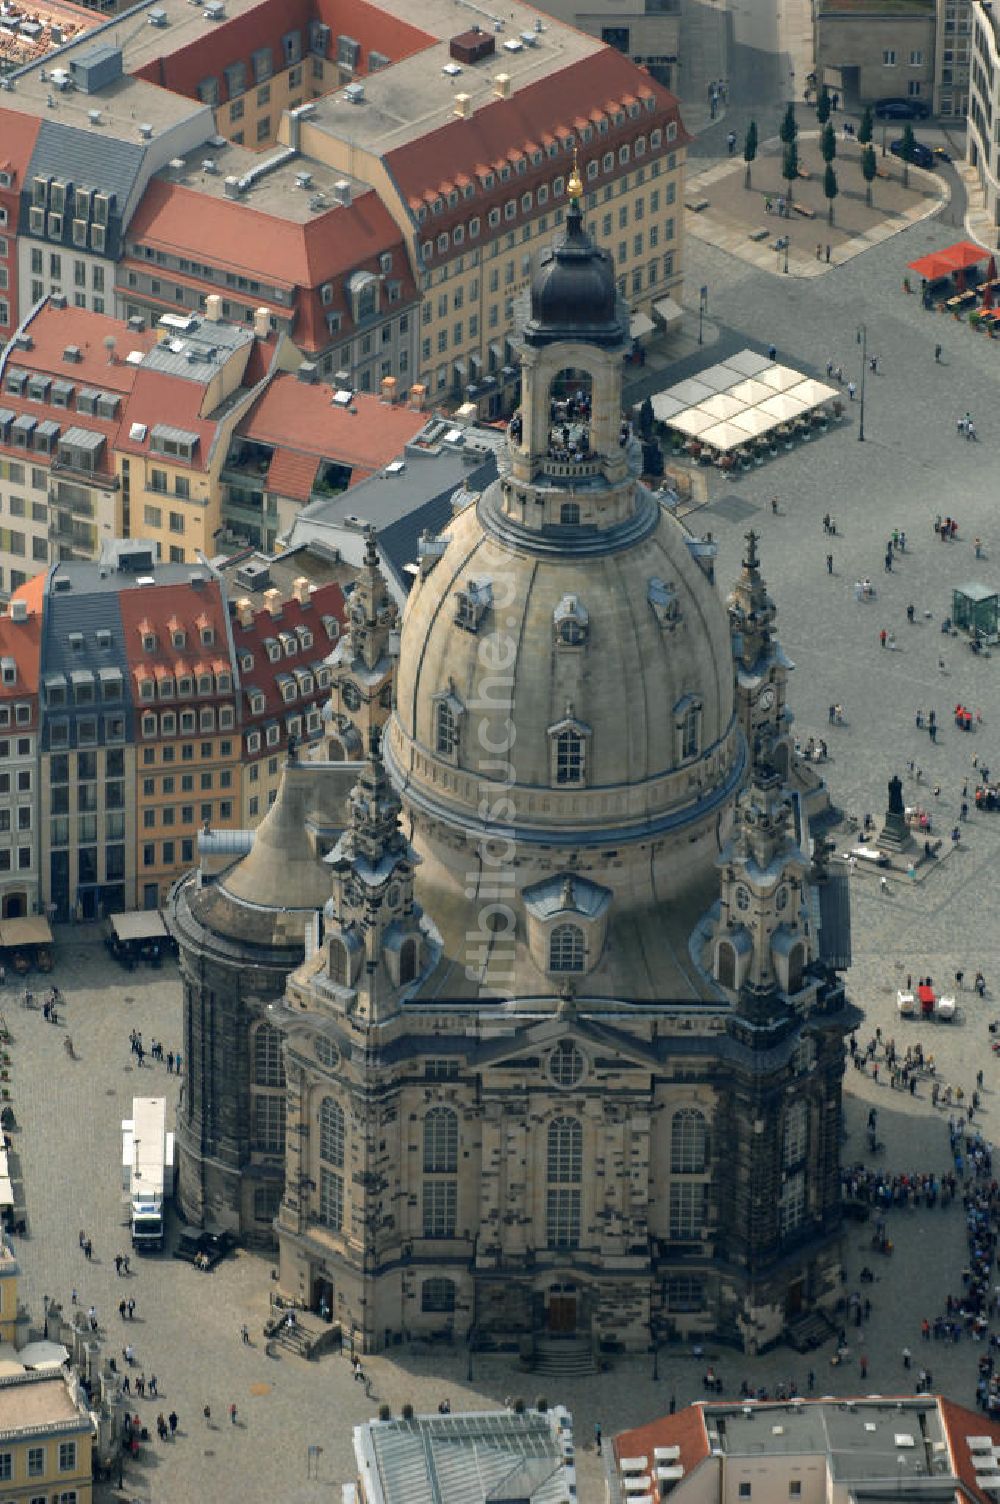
{"points": [[407, 960], [446, 735], [441, 1141], [567, 948], [564, 1166], [339, 967], [570, 408], [795, 1134], [569, 757], [331, 1133], [688, 1142], [268, 1068], [796, 966], [726, 964]]}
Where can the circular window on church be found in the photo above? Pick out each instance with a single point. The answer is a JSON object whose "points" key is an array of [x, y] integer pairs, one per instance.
{"points": [[566, 1064], [327, 1053], [781, 899], [742, 898]]}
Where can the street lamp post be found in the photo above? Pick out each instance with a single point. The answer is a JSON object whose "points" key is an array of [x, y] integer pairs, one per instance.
{"points": [[786, 252], [863, 342], [702, 306]]}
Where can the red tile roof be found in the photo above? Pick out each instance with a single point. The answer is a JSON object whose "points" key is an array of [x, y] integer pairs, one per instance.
{"points": [[17, 142], [32, 591], [531, 114], [300, 417], [326, 600], [292, 474], [686, 1430], [53, 329], [21, 640], [159, 398], [961, 1423], [264, 25], [154, 607], [236, 237]]}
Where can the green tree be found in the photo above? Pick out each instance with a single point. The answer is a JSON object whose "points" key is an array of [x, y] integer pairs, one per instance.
{"points": [[790, 165], [868, 169], [788, 129], [828, 143], [823, 105], [830, 189], [906, 152], [867, 126], [749, 150]]}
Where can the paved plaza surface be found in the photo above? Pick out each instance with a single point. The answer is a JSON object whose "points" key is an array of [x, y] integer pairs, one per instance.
{"points": [[911, 467], [735, 215]]}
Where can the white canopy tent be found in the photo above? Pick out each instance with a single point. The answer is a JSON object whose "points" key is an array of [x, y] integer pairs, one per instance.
{"points": [[724, 436], [722, 406], [739, 399], [780, 378]]}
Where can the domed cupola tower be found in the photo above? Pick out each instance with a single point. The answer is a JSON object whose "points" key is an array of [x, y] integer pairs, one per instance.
{"points": [[565, 693]]}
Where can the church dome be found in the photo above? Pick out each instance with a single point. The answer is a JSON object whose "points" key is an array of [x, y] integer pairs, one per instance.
{"points": [[574, 295], [598, 687]]}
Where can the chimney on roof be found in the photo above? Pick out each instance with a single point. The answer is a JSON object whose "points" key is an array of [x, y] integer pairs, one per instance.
{"points": [[307, 372], [463, 106], [272, 601], [418, 395], [300, 590], [261, 323], [213, 307], [501, 86], [342, 193], [244, 612], [388, 388], [19, 610]]}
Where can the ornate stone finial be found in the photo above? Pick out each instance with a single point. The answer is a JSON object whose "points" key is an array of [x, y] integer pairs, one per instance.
{"points": [[567, 999], [575, 184], [371, 551], [751, 562]]}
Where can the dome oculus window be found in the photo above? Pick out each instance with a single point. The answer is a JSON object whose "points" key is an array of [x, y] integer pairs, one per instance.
{"points": [[571, 623], [566, 1064], [327, 1053]]}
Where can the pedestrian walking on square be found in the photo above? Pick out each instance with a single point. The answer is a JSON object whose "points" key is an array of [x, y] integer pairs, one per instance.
{"points": [[83, 1238], [177, 1063], [937, 354], [774, 505], [851, 389], [819, 252], [170, 1062], [74, 1297], [131, 1310], [172, 1422], [118, 1264], [829, 563], [126, 1386], [882, 636], [597, 1436], [245, 1334], [152, 1384], [121, 1309], [906, 1357], [207, 1412], [232, 1412], [828, 255], [902, 541]]}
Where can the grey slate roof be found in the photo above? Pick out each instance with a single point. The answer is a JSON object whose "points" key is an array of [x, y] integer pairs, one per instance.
{"points": [[835, 921], [400, 507], [87, 159], [83, 611]]}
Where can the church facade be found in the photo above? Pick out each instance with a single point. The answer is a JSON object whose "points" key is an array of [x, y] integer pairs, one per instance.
{"points": [[561, 1042]]}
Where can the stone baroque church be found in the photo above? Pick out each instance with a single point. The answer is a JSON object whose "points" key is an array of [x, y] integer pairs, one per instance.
{"points": [[531, 1018]]}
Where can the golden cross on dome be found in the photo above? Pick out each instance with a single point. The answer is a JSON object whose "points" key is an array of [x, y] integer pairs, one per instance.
{"points": [[576, 182]]}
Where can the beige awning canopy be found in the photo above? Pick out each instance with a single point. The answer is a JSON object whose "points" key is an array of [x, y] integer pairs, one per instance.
{"points": [[139, 924], [32, 929], [668, 312], [640, 324], [724, 436]]}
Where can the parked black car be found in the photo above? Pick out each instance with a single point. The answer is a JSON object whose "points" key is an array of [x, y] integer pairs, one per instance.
{"points": [[922, 155], [901, 109]]}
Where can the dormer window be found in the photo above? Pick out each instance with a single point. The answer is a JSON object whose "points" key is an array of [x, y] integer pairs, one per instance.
{"points": [[687, 728], [663, 600], [147, 689], [167, 687], [571, 623], [178, 637], [206, 633], [256, 702], [184, 684], [568, 751], [204, 684], [472, 603], [273, 647], [448, 712], [246, 662]]}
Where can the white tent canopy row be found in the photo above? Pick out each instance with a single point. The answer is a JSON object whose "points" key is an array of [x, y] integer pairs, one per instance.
{"points": [[742, 397]]}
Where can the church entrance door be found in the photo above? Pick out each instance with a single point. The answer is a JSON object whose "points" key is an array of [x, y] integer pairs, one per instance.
{"points": [[322, 1297], [561, 1315]]}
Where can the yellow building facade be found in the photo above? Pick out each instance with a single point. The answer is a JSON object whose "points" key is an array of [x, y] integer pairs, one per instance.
{"points": [[46, 1440]]}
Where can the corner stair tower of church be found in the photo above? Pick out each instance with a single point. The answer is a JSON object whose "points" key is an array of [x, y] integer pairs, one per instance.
{"points": [[364, 666], [761, 665]]}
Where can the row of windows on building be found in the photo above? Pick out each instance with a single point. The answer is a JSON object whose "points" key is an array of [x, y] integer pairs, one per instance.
{"points": [[38, 1463], [170, 723]]}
